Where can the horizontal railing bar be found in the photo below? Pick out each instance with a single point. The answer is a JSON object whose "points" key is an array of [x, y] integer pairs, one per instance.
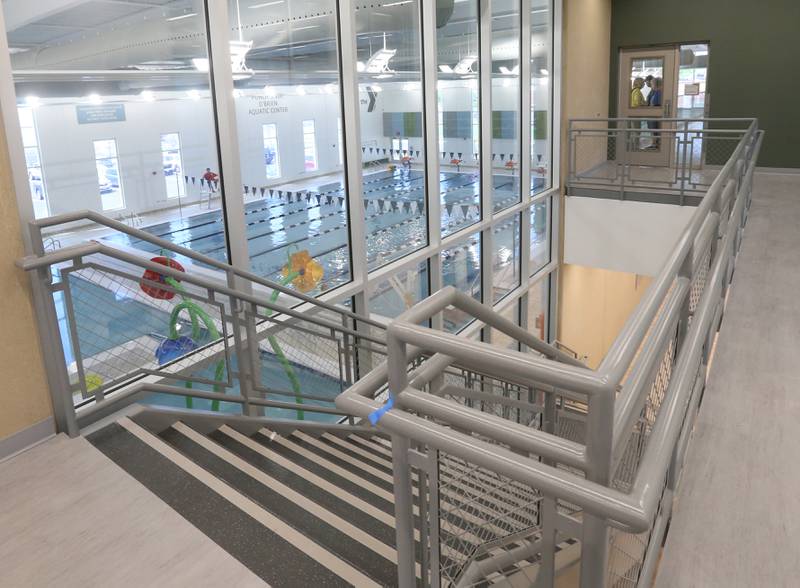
{"points": [[747, 120], [614, 364], [146, 387], [631, 398], [660, 131], [100, 219], [501, 362], [32, 262], [670, 419], [513, 434], [190, 416]]}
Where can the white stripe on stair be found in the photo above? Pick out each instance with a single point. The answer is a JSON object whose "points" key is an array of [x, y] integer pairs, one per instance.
{"points": [[310, 506], [274, 524]]}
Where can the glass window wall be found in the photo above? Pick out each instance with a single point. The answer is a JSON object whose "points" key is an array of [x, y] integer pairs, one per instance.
{"points": [[123, 121]]}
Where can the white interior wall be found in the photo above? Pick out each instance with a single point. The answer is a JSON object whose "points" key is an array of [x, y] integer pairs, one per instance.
{"points": [[622, 236], [68, 159]]}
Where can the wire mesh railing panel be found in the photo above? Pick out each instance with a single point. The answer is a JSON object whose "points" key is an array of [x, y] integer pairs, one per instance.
{"points": [[482, 515], [699, 280], [120, 325], [626, 553], [594, 156]]}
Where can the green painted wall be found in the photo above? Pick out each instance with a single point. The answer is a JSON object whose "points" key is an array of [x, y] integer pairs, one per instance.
{"points": [[754, 67]]}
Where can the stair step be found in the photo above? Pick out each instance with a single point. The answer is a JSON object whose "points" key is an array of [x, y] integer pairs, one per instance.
{"points": [[264, 543], [332, 532]]}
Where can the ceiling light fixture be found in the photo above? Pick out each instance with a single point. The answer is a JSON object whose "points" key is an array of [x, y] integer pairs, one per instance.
{"points": [[399, 3], [147, 96], [95, 99], [301, 91], [360, 66], [201, 64], [270, 92], [464, 66], [265, 4], [544, 72], [32, 101], [193, 94], [181, 16]]}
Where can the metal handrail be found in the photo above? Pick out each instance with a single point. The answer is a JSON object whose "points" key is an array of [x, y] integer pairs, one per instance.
{"points": [[97, 218], [612, 404]]}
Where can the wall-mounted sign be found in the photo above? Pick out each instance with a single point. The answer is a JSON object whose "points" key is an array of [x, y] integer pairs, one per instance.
{"points": [[100, 113], [691, 89], [266, 105]]}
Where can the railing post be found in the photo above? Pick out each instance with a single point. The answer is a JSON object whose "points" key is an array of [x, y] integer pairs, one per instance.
{"points": [[403, 513], [599, 443], [549, 510], [241, 342], [50, 341]]}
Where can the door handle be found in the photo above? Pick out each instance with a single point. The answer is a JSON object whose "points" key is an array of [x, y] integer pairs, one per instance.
{"points": [[667, 108]]}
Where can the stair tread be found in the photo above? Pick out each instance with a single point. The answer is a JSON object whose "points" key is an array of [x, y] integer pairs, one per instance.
{"points": [[263, 549]]}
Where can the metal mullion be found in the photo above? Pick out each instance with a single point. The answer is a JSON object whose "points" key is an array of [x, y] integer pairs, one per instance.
{"points": [[525, 136], [351, 131], [221, 84], [431, 121], [487, 182]]}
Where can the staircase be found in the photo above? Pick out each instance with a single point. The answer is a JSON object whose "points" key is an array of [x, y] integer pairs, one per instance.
{"points": [[315, 507]]}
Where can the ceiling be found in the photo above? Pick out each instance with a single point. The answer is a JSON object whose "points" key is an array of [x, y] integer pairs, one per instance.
{"points": [[122, 46]]}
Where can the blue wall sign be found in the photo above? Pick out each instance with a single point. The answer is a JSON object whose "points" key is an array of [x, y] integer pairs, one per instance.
{"points": [[100, 113]]}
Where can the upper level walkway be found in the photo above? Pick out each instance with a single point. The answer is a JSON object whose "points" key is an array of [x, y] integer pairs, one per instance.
{"points": [[735, 519]]}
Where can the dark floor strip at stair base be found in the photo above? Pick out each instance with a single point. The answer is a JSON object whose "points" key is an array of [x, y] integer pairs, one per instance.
{"points": [[335, 504], [322, 533], [274, 560]]}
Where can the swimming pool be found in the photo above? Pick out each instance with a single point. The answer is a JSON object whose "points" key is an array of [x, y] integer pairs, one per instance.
{"points": [[316, 220]]}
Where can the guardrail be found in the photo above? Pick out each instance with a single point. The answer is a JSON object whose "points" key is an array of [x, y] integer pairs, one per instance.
{"points": [[619, 468], [663, 160], [117, 325]]}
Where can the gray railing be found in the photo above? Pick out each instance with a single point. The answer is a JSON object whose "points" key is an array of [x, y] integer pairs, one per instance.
{"points": [[661, 160], [603, 449], [119, 327]]}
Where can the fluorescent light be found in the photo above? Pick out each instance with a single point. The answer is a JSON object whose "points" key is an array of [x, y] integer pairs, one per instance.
{"points": [[330, 88], [376, 88], [270, 91], [506, 83], [379, 62], [360, 66], [147, 96], [182, 16], [265, 4], [399, 3], [237, 93], [95, 99], [201, 64], [306, 28], [544, 72], [301, 91], [444, 68], [464, 66], [32, 101], [193, 94]]}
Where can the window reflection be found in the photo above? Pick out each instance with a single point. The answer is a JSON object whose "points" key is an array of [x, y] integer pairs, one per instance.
{"points": [[389, 66], [506, 244], [458, 97], [288, 102], [461, 268]]}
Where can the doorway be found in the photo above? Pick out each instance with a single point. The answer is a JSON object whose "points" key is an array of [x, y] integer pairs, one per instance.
{"points": [[667, 82], [648, 91]]}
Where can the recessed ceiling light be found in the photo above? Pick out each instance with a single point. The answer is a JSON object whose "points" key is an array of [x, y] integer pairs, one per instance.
{"points": [[301, 91], [148, 96], [265, 4], [95, 99], [270, 91], [544, 72], [32, 101], [181, 16]]}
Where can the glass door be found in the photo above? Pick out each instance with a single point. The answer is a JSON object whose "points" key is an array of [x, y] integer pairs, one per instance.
{"points": [[647, 92]]}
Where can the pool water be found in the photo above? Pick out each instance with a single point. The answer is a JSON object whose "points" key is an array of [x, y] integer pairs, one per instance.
{"points": [[395, 222]]}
